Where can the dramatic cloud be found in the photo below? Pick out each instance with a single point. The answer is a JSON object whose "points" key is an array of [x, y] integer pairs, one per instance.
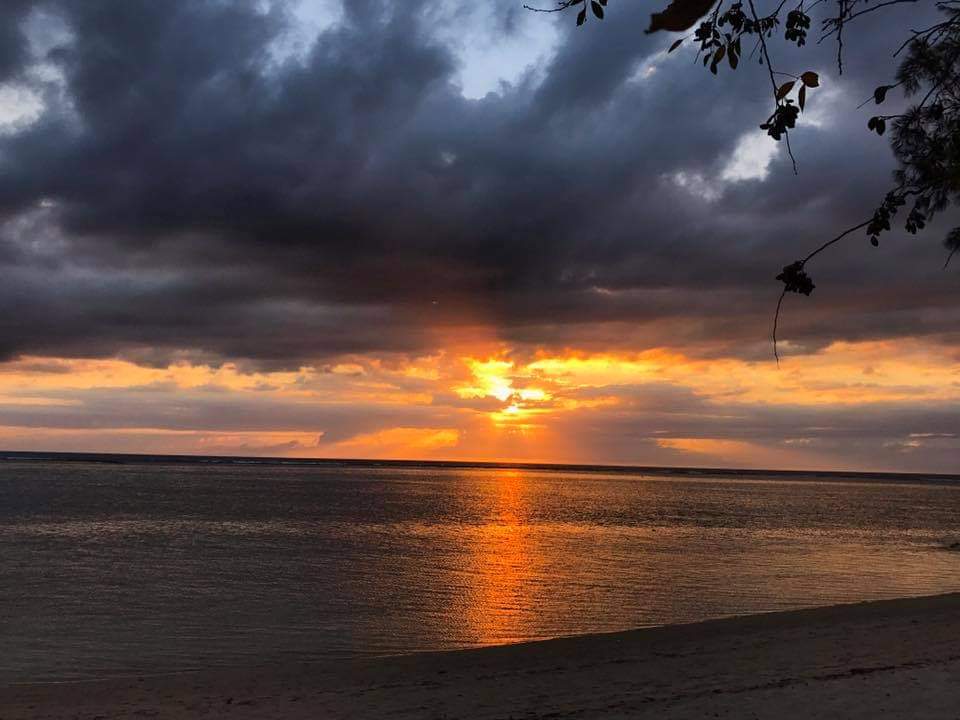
{"points": [[828, 411], [284, 187]]}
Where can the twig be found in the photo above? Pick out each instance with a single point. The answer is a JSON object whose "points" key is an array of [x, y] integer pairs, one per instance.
{"points": [[877, 7], [776, 320], [950, 256], [836, 24], [840, 23], [838, 238], [810, 256], [560, 7], [873, 97], [773, 80]]}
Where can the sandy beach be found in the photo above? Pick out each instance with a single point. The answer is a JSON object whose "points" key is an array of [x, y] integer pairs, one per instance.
{"points": [[898, 659]]}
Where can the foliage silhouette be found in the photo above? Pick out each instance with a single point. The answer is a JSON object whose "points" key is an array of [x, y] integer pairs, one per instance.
{"points": [[925, 138]]}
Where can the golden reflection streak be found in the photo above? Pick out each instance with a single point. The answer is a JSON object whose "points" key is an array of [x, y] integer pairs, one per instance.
{"points": [[501, 565]]}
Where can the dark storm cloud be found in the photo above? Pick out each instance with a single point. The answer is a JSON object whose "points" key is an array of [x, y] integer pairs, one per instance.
{"points": [[13, 44], [191, 192]]}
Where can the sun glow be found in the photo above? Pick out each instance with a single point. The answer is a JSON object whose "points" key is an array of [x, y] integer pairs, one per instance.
{"points": [[505, 381], [486, 402], [490, 379]]}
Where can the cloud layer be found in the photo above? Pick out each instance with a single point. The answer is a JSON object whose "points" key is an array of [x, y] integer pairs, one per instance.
{"points": [[280, 185]]}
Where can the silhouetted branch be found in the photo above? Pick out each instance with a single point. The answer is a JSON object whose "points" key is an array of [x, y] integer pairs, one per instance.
{"points": [[950, 257], [846, 16], [795, 278], [560, 7], [925, 137], [773, 81], [835, 240]]}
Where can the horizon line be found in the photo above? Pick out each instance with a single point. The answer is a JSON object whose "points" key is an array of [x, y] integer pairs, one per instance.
{"points": [[112, 457]]}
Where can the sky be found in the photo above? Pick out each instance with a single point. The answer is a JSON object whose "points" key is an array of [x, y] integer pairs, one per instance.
{"points": [[448, 230]]}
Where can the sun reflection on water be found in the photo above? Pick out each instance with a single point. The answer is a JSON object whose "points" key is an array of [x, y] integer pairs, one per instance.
{"points": [[502, 564]]}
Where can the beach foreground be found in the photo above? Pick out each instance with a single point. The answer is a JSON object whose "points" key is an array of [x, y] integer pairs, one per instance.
{"points": [[898, 658]]}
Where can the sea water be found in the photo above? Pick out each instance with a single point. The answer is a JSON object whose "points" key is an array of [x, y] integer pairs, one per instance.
{"points": [[148, 567]]}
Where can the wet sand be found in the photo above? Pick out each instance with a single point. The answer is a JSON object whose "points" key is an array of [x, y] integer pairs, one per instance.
{"points": [[890, 659]]}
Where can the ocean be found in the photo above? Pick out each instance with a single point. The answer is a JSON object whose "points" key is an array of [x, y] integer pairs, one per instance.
{"points": [[113, 565]]}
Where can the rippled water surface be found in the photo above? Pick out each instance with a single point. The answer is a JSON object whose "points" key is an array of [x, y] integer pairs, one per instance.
{"points": [[114, 569]]}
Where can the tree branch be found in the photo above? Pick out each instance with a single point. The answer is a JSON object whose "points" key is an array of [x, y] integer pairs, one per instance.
{"points": [[773, 80], [810, 256], [560, 7]]}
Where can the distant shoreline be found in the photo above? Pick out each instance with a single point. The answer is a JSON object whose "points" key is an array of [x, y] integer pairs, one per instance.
{"points": [[144, 459], [896, 658]]}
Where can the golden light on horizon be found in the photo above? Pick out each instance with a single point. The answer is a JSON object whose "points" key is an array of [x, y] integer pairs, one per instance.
{"points": [[491, 402]]}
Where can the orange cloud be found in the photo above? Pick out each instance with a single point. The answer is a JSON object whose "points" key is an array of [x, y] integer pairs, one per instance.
{"points": [[413, 443], [484, 401]]}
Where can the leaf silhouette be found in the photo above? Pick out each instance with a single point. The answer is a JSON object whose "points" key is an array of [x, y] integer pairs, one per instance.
{"points": [[785, 89], [680, 15]]}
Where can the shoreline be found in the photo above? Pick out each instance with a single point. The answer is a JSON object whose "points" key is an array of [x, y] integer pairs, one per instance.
{"points": [[899, 657]]}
